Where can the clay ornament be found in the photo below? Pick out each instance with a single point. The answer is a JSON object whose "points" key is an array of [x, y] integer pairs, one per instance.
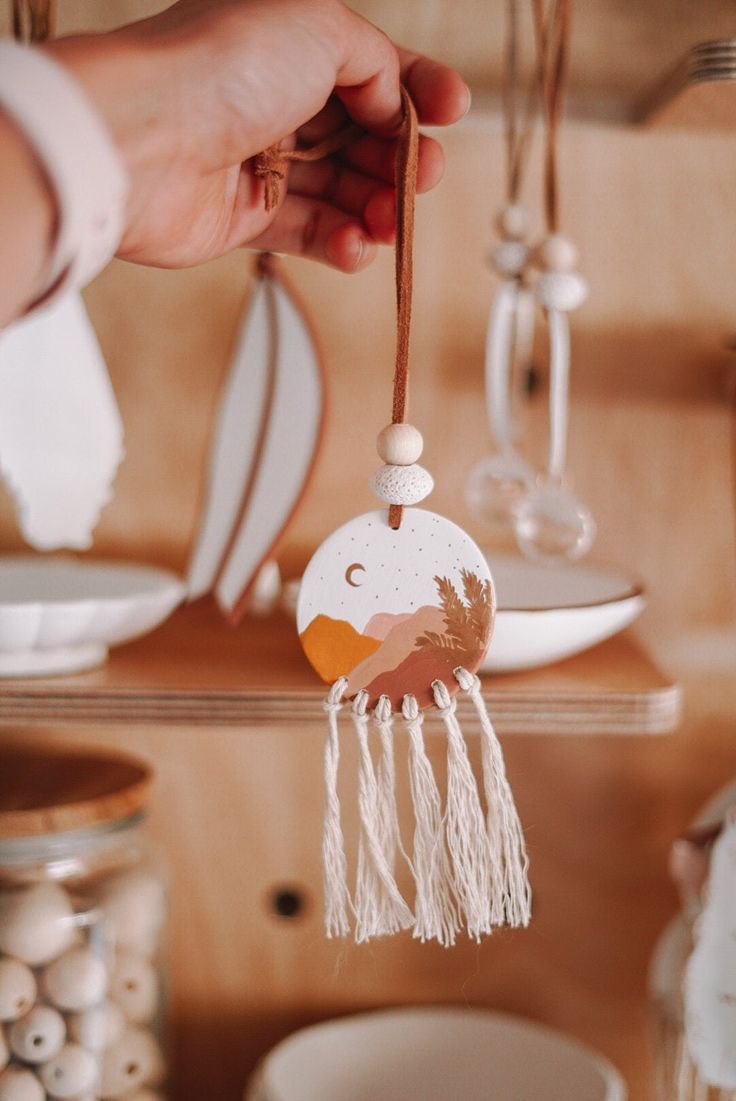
{"points": [[395, 612]]}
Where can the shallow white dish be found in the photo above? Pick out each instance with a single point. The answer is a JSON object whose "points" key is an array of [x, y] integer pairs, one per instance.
{"points": [[434, 1054], [546, 613], [60, 615]]}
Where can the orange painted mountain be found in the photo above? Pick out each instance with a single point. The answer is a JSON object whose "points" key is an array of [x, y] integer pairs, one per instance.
{"points": [[334, 647]]}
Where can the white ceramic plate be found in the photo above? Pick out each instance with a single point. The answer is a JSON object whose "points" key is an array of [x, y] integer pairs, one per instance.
{"points": [[546, 613], [60, 615], [434, 1055]]}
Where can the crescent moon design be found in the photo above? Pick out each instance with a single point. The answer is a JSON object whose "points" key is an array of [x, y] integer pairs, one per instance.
{"points": [[349, 574]]}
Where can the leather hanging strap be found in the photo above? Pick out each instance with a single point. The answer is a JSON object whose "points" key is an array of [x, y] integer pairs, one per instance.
{"points": [[407, 159], [552, 28]]}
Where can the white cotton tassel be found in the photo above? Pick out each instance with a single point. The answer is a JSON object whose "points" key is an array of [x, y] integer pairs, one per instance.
{"points": [[388, 811], [467, 839], [379, 906], [511, 895], [337, 896], [436, 913]]}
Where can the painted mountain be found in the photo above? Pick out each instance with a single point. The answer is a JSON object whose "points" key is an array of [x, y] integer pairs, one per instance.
{"points": [[399, 654]]}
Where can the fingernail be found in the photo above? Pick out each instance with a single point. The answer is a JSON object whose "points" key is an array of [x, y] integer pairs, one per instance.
{"points": [[470, 101], [361, 253]]}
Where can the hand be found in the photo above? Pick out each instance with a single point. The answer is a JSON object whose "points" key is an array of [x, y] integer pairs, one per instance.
{"points": [[191, 95]]}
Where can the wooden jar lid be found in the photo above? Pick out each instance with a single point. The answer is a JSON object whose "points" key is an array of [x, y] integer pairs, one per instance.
{"points": [[50, 790]]}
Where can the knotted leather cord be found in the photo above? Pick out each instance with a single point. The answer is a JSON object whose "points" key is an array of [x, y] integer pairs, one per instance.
{"points": [[552, 30], [271, 166], [407, 159]]}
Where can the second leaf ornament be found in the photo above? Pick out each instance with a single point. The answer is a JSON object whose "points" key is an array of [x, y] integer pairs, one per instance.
{"points": [[396, 612]]}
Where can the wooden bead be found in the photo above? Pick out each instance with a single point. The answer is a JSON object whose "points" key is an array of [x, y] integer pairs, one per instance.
{"points": [[38, 1036], [97, 1028], [400, 444], [134, 987], [77, 980], [134, 1061], [36, 923], [70, 1073], [512, 223], [556, 253], [17, 989], [402, 485], [134, 904], [19, 1084]]}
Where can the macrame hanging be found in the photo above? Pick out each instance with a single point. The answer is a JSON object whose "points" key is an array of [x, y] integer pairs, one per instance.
{"points": [[395, 612]]}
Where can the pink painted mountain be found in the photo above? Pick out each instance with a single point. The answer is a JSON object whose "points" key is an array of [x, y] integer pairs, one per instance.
{"points": [[380, 625], [399, 644]]}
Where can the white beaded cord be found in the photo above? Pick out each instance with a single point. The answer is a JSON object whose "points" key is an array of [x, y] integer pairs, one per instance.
{"points": [[467, 840], [335, 878], [402, 485], [511, 900], [436, 912], [559, 345], [379, 906]]}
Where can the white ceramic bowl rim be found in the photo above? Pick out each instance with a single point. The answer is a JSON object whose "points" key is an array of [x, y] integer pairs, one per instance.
{"points": [[613, 586], [63, 580]]}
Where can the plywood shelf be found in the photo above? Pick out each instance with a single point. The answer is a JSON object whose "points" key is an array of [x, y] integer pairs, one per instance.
{"points": [[195, 670]]}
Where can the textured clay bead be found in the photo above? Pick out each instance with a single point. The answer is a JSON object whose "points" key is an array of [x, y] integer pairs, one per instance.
{"points": [[510, 258], [36, 923], [77, 980], [134, 987], [38, 1036], [512, 223], [17, 989], [400, 444], [19, 1084], [561, 290], [402, 485], [4, 1050], [134, 1061], [70, 1073], [134, 903], [556, 253], [98, 1028]]}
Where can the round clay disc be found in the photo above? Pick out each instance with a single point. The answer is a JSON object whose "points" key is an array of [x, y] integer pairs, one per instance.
{"points": [[394, 610]]}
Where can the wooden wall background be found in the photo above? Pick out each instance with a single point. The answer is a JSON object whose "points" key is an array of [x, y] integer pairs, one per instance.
{"points": [[651, 451]]}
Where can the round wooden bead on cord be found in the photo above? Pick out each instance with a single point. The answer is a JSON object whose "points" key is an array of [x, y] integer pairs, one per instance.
{"points": [[512, 222], [556, 253], [70, 1073], [134, 1061], [97, 1028], [400, 444], [77, 980], [134, 987], [510, 258], [19, 1084], [17, 989], [38, 1036], [36, 923], [561, 290]]}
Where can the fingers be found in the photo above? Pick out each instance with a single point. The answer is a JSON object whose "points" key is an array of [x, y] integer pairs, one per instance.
{"points": [[348, 191], [312, 228], [440, 94]]}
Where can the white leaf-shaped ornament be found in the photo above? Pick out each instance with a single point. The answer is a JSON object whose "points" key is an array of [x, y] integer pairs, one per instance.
{"points": [[266, 438], [710, 978], [61, 437]]}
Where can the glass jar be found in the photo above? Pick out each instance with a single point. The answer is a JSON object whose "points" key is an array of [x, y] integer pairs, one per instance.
{"points": [[82, 920]]}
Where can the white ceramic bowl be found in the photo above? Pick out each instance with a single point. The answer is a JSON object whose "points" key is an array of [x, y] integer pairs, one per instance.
{"points": [[60, 615], [434, 1054], [546, 613]]}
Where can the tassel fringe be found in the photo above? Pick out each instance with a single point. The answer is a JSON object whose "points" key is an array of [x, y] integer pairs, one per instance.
{"points": [[470, 867]]}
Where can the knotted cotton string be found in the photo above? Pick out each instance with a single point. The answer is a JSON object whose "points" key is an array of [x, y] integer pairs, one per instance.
{"points": [[379, 906], [435, 908], [337, 896], [511, 894]]}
